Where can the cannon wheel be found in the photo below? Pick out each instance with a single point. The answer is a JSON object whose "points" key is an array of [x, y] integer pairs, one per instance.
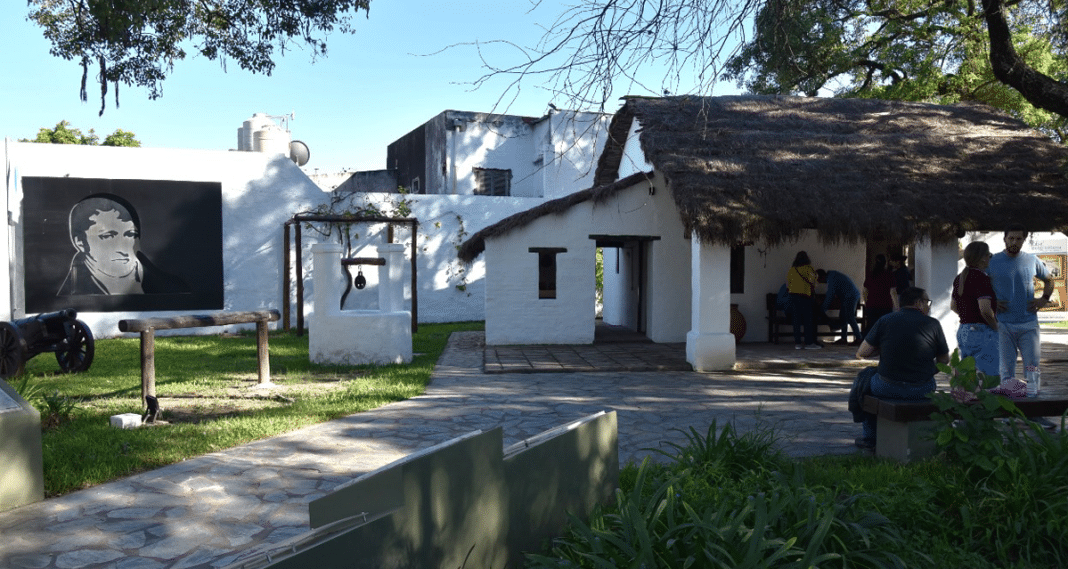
{"points": [[79, 353], [12, 350]]}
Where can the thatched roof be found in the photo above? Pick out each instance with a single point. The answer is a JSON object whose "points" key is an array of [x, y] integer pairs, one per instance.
{"points": [[755, 168]]}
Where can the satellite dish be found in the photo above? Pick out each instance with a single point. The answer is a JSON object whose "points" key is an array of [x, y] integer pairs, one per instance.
{"points": [[299, 153]]}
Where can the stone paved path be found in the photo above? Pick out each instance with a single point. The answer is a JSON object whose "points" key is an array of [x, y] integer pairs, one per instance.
{"points": [[227, 507]]}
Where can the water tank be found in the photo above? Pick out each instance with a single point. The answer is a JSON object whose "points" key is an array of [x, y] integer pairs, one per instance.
{"points": [[271, 139], [246, 134]]}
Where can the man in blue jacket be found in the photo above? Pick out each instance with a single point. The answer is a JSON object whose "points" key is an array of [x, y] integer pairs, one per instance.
{"points": [[842, 287]]}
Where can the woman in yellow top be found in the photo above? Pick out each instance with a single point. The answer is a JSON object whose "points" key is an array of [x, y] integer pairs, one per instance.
{"points": [[801, 284]]}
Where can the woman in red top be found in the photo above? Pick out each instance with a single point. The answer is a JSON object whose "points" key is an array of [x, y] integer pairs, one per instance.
{"points": [[974, 300], [877, 287]]}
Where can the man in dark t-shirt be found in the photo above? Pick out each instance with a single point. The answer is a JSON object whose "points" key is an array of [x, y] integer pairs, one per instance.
{"points": [[908, 343]]}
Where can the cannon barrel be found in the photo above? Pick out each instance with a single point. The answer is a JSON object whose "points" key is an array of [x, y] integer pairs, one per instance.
{"points": [[49, 317]]}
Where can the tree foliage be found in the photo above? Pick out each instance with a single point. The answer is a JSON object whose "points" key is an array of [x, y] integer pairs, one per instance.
{"points": [[923, 51], [944, 50], [137, 42], [62, 133]]}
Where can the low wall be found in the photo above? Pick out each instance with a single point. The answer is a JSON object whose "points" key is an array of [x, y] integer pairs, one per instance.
{"points": [[464, 503]]}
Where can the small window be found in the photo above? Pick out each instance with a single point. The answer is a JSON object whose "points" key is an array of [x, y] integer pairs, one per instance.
{"points": [[493, 182], [416, 187], [547, 270]]}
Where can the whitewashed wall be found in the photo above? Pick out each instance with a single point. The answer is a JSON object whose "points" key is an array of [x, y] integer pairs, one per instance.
{"points": [[259, 193], [553, 158], [514, 313]]}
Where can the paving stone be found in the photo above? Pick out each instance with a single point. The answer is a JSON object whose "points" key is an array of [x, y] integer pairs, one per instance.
{"points": [[86, 557]]}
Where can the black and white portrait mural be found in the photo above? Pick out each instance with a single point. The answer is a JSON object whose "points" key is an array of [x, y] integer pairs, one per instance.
{"points": [[122, 245]]}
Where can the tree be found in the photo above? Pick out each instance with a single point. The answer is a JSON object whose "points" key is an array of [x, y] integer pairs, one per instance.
{"points": [[938, 51], [64, 134], [879, 47], [137, 42]]}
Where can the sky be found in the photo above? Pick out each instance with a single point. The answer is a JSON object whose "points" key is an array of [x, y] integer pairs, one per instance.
{"points": [[373, 86]]}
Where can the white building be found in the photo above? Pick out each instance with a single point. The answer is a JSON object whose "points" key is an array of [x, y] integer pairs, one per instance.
{"points": [[705, 201]]}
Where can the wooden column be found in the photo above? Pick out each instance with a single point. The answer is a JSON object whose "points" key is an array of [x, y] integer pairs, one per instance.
{"points": [[261, 352], [148, 364]]}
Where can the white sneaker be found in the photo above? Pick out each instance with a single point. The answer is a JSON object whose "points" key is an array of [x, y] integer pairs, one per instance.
{"points": [[813, 347]]}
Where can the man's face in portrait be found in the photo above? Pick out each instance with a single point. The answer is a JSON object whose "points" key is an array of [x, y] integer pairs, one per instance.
{"points": [[1014, 241], [111, 244]]}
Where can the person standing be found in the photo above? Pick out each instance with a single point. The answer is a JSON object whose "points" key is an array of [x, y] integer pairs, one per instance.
{"points": [[902, 279], [801, 285], [908, 343], [877, 295], [841, 287], [975, 301], [1012, 274]]}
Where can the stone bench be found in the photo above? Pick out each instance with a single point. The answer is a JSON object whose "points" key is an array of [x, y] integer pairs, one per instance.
{"points": [[905, 428]]}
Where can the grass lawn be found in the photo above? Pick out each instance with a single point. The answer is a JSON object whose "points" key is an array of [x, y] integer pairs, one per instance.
{"points": [[206, 386]]}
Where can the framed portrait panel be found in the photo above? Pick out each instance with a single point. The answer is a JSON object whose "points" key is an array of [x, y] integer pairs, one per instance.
{"points": [[102, 245]]}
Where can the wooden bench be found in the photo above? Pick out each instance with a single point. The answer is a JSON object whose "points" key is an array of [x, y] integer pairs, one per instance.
{"points": [[904, 428], [779, 326], [148, 326]]}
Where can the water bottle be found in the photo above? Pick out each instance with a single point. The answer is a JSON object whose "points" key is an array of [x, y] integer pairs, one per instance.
{"points": [[1034, 380]]}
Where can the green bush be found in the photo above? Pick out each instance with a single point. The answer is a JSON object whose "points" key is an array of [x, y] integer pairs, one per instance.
{"points": [[728, 500]]}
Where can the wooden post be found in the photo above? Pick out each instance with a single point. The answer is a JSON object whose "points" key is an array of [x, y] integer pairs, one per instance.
{"points": [[415, 286], [148, 364], [298, 266], [287, 260], [261, 352]]}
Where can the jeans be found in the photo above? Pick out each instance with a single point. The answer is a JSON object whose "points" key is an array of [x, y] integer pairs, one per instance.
{"points": [[980, 342], [894, 390], [801, 306], [1018, 338], [848, 315]]}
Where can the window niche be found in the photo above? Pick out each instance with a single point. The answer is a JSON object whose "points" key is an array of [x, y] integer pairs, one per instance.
{"points": [[547, 270]]}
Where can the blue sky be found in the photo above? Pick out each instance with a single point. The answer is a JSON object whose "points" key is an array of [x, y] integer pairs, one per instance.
{"points": [[373, 86]]}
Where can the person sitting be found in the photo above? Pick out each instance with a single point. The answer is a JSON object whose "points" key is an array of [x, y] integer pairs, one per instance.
{"points": [[908, 343], [841, 287]]}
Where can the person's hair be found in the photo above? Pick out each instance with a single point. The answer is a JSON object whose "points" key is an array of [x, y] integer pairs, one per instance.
{"points": [[821, 274], [801, 259], [879, 265], [974, 252], [1016, 227], [899, 258], [910, 295], [83, 211]]}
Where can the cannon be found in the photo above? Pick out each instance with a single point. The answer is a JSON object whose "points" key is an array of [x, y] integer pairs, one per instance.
{"points": [[59, 332]]}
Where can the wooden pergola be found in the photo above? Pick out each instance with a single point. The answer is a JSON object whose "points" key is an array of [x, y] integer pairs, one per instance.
{"points": [[296, 222]]}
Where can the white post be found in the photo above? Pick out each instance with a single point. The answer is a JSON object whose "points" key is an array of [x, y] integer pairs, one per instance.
{"points": [[936, 267], [710, 344], [390, 283], [326, 277]]}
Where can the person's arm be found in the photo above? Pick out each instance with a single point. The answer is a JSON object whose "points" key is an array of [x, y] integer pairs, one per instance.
{"points": [[867, 350], [1047, 291], [943, 359], [986, 308]]}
